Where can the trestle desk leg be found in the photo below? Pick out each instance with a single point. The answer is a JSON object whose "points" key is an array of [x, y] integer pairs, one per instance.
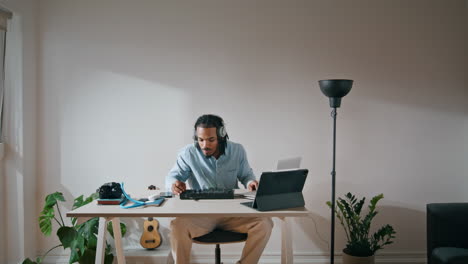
{"points": [[286, 242], [101, 241], [118, 240]]}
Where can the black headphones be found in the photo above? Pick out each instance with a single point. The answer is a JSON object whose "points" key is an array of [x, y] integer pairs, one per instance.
{"points": [[212, 121]]}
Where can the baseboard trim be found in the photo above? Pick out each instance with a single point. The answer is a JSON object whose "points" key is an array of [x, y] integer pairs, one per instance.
{"points": [[160, 257]]}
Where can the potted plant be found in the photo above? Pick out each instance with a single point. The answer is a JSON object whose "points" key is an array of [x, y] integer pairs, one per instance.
{"points": [[361, 246], [80, 238]]}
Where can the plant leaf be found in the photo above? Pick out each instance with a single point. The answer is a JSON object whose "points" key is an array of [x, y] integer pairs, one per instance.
{"points": [[92, 197], [92, 242], [108, 258], [45, 221], [110, 229], [358, 206], [75, 256], [67, 235], [373, 202], [89, 229], [88, 256], [77, 248], [78, 202], [52, 199], [28, 261]]}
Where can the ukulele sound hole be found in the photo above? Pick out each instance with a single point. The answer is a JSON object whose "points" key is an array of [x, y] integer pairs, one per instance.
{"points": [[150, 228]]}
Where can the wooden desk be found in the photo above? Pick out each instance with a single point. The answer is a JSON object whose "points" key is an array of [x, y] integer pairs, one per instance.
{"points": [[174, 207]]}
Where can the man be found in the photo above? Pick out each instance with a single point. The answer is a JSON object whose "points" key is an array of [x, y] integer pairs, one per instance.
{"points": [[214, 162]]}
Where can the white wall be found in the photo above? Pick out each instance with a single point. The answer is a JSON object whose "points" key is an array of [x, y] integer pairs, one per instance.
{"points": [[18, 181], [121, 84]]}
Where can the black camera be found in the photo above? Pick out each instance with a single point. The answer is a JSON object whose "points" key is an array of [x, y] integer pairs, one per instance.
{"points": [[110, 190]]}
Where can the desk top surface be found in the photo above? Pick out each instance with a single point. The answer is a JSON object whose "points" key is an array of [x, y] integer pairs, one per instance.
{"points": [[175, 207]]}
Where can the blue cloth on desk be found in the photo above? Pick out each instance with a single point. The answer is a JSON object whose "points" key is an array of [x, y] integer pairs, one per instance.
{"points": [[203, 172]]}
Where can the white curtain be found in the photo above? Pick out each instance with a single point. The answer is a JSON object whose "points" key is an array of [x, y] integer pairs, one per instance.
{"points": [[4, 16]]}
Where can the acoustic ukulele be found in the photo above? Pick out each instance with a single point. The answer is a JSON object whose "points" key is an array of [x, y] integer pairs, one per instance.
{"points": [[150, 238]]}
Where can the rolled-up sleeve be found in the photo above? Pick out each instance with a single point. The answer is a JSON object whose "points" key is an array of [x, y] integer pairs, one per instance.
{"points": [[180, 172], [245, 173]]}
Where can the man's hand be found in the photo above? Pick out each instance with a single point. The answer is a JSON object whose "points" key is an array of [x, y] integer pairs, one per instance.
{"points": [[178, 187], [253, 186]]}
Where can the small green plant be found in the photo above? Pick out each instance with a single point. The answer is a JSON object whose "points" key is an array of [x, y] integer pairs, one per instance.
{"points": [[359, 242], [80, 238]]}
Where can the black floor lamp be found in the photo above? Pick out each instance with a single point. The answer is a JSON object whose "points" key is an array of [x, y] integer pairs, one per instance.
{"points": [[334, 89]]}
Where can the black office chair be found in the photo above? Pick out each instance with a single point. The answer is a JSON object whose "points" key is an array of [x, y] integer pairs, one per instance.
{"points": [[219, 236], [447, 233]]}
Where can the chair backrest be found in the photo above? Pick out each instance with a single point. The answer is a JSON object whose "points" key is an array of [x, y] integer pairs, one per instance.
{"points": [[447, 226]]}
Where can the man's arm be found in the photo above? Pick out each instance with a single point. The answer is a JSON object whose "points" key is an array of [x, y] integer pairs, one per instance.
{"points": [[179, 173], [246, 175]]}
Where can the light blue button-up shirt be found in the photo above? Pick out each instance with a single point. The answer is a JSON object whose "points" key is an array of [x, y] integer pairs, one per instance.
{"points": [[203, 172]]}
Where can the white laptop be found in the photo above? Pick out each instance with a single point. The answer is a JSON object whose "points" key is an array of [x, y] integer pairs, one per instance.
{"points": [[289, 163]]}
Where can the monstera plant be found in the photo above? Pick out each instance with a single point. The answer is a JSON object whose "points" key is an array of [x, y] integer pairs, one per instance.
{"points": [[81, 239]]}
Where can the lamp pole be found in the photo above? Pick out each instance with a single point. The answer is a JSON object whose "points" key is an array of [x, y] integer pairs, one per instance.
{"points": [[333, 174], [334, 89]]}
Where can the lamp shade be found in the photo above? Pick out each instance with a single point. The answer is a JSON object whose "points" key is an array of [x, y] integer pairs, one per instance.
{"points": [[335, 89]]}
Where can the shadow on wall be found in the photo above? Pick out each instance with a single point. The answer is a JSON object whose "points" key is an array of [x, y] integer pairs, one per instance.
{"points": [[410, 226], [309, 226]]}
